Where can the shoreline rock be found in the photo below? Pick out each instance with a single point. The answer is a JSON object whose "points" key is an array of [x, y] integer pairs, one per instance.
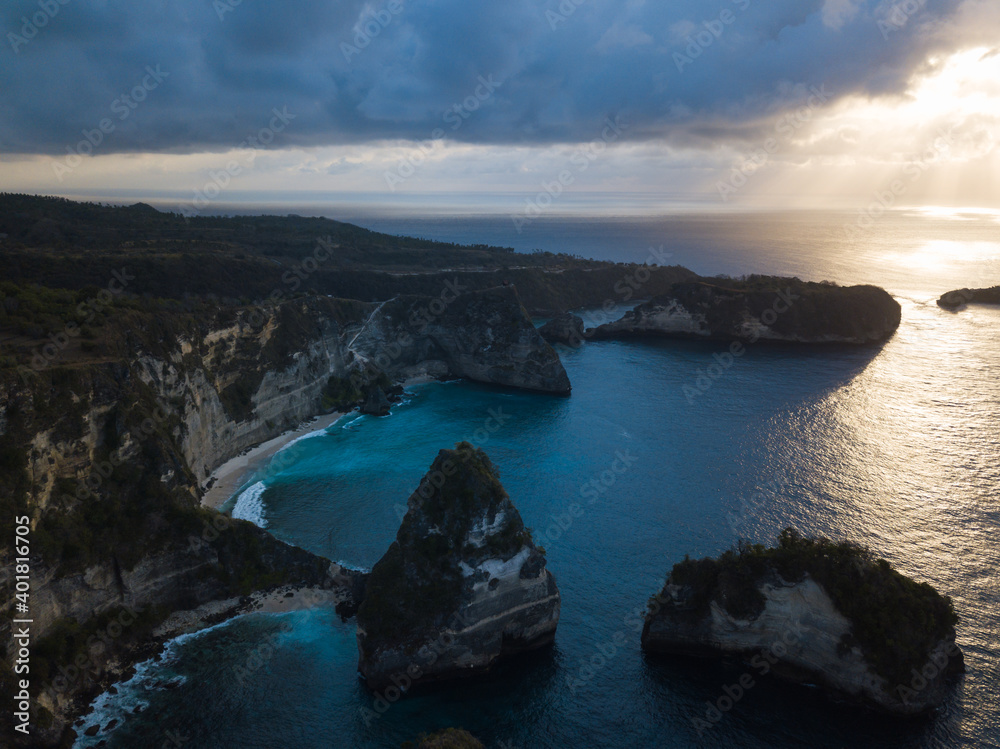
{"points": [[813, 611], [462, 586], [566, 329]]}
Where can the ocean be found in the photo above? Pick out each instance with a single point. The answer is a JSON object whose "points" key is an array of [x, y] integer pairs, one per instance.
{"points": [[897, 447]]}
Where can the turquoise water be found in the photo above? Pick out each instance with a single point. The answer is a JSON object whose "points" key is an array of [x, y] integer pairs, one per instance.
{"points": [[896, 447]]}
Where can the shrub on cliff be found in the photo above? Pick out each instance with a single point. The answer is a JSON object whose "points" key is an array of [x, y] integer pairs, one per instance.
{"points": [[895, 621], [419, 582]]}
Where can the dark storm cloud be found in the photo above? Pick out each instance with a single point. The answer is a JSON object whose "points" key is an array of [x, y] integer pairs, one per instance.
{"points": [[562, 67]]}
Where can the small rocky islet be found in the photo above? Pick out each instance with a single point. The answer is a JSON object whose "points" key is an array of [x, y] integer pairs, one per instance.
{"points": [[812, 611], [462, 586], [955, 300]]}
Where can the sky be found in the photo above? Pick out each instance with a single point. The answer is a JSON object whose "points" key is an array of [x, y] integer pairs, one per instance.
{"points": [[648, 105]]}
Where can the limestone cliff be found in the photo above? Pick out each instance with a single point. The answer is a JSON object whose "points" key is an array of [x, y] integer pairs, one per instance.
{"points": [[486, 336], [762, 309], [107, 457], [462, 586], [817, 612]]}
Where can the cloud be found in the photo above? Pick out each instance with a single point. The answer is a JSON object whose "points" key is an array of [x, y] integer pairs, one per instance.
{"points": [[355, 72], [838, 12]]}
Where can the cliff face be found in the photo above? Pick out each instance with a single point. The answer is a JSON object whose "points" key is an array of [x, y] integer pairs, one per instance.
{"points": [[462, 586], [486, 336], [566, 329], [106, 457], [784, 310], [866, 633]]}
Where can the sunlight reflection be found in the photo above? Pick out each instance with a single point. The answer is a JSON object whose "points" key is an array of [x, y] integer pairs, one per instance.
{"points": [[938, 254]]}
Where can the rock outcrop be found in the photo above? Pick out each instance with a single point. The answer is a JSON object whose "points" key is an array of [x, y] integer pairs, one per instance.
{"points": [[762, 309], [566, 329], [376, 404], [486, 336], [953, 300], [817, 612], [462, 586]]}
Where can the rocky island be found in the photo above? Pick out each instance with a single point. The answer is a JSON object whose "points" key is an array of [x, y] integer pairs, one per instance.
{"points": [[461, 587], [953, 300], [813, 611], [761, 308]]}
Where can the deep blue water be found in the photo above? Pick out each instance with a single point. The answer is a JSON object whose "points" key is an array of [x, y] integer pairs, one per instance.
{"points": [[897, 447]]}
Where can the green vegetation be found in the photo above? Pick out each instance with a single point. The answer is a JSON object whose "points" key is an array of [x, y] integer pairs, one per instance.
{"points": [[238, 260], [418, 584], [895, 621], [799, 307]]}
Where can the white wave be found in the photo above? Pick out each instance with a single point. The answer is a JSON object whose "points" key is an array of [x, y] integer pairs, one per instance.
{"points": [[250, 505], [352, 421], [308, 435]]}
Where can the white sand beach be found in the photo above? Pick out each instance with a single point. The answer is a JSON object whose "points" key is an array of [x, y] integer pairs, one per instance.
{"points": [[228, 477]]}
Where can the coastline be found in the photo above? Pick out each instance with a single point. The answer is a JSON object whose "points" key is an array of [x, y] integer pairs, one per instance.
{"points": [[228, 477], [88, 714], [274, 601]]}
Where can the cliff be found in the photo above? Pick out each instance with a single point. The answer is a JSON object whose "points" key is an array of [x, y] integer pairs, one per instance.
{"points": [[813, 611], [486, 336], [105, 448], [462, 586], [957, 299], [762, 309]]}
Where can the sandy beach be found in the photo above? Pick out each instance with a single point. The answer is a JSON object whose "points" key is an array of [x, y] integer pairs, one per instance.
{"points": [[228, 477], [285, 598]]}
